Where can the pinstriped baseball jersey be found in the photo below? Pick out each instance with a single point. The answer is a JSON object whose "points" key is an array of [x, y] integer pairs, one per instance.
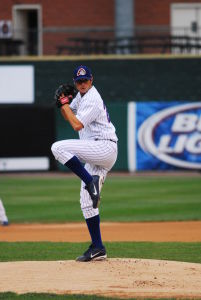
{"points": [[97, 146], [90, 110]]}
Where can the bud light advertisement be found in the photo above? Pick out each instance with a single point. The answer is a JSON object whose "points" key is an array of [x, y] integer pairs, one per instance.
{"points": [[168, 135]]}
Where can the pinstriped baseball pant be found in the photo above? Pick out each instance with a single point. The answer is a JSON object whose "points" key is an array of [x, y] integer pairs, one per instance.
{"points": [[98, 156]]}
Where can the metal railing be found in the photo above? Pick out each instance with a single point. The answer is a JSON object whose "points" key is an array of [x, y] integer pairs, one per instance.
{"points": [[129, 45], [87, 41]]}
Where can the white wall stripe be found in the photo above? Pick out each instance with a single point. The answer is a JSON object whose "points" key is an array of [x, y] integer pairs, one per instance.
{"points": [[24, 163], [131, 136]]}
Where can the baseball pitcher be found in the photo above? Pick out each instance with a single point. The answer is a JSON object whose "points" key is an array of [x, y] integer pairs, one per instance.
{"points": [[96, 148]]}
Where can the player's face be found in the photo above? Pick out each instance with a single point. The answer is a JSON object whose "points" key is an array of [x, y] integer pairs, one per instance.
{"points": [[83, 85]]}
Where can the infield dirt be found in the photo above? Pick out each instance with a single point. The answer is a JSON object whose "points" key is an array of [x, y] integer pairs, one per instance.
{"points": [[77, 232]]}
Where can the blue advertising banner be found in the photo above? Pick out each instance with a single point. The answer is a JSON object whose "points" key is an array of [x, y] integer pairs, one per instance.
{"points": [[168, 135]]}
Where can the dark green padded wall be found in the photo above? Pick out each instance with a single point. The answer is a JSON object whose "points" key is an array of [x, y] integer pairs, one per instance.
{"points": [[127, 80], [124, 79], [118, 115]]}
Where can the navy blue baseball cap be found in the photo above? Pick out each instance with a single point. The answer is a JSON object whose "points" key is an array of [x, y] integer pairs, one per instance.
{"points": [[82, 72]]}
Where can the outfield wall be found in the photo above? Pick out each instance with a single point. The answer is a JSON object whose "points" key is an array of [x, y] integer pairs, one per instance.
{"points": [[121, 81], [152, 136], [28, 131], [119, 78]]}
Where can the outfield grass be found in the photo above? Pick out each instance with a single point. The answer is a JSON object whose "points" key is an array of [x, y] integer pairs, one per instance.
{"points": [[56, 199]]}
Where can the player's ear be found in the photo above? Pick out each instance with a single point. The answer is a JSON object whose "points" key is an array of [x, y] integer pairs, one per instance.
{"points": [[91, 79]]}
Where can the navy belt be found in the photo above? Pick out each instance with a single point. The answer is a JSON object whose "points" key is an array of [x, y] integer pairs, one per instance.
{"points": [[113, 141], [106, 140]]}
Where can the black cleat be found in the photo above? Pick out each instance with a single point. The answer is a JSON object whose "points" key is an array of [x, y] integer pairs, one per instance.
{"points": [[94, 188], [93, 253]]}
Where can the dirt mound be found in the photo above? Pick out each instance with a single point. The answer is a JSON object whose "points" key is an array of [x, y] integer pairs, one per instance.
{"points": [[113, 277]]}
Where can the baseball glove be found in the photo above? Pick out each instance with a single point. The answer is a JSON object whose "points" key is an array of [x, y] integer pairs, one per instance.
{"points": [[64, 94]]}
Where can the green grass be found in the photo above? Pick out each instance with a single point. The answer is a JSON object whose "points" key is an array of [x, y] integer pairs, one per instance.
{"points": [[11, 296], [177, 251], [43, 199]]}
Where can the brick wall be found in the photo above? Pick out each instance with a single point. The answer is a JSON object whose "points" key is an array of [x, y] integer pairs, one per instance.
{"points": [[94, 12], [84, 14], [65, 13], [68, 12], [78, 13]]}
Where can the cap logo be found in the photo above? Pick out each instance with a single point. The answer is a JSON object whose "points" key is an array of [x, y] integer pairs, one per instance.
{"points": [[81, 72]]}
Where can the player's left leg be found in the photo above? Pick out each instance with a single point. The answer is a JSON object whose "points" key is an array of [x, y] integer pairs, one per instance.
{"points": [[96, 250], [72, 152]]}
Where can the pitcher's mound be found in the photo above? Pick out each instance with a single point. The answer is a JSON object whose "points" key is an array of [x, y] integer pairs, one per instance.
{"points": [[113, 277]]}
